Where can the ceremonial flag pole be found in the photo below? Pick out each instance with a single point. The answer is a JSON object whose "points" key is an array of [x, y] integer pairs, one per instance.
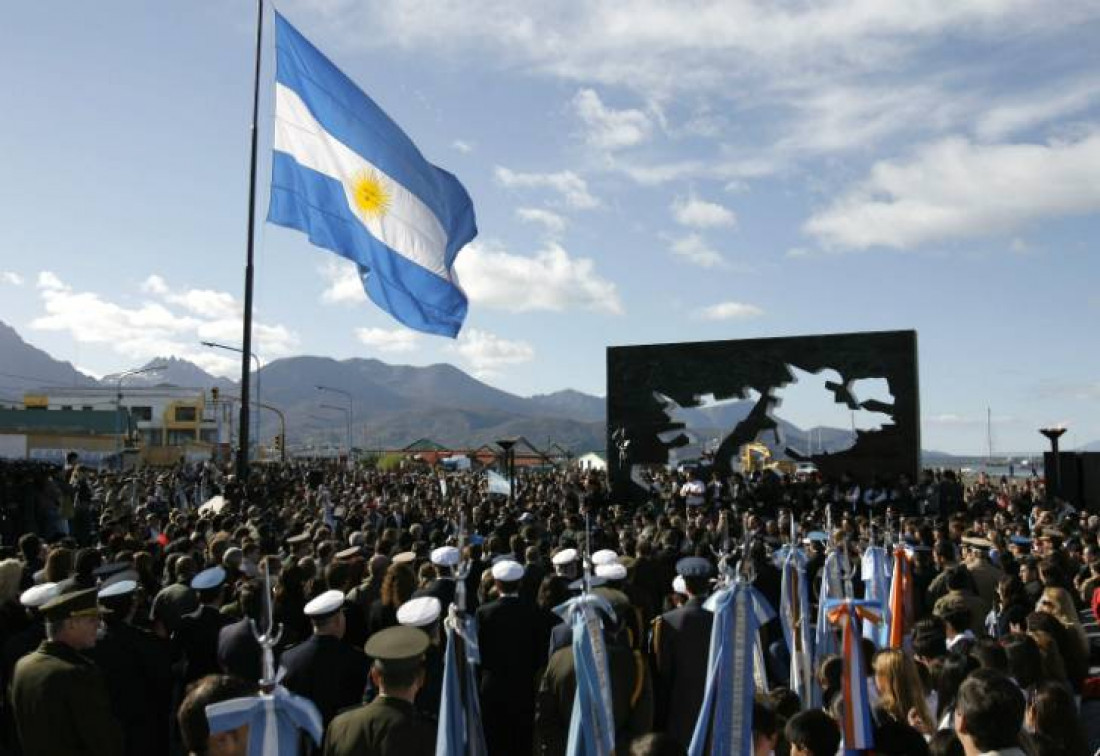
{"points": [[246, 338]]}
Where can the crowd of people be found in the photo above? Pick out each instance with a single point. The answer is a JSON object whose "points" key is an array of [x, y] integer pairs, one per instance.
{"points": [[128, 604]]}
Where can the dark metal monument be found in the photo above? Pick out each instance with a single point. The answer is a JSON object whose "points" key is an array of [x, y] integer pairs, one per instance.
{"points": [[644, 382]]}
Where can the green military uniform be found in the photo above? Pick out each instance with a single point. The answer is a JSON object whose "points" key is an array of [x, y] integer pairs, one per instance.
{"points": [[388, 726], [631, 699], [385, 727], [60, 701]]}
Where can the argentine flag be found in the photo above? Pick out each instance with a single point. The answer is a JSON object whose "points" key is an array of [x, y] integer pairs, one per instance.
{"points": [[348, 177]]}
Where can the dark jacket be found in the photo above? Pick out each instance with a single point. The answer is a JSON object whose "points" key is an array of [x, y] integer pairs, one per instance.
{"points": [[327, 671], [680, 646], [137, 670], [239, 652], [62, 706]]}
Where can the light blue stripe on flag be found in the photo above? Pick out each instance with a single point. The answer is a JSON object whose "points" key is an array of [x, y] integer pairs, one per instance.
{"points": [[346, 175]]}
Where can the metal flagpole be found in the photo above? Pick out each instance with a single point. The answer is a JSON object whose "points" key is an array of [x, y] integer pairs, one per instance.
{"points": [[246, 340]]}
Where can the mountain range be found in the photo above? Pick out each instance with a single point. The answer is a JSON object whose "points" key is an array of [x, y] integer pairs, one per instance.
{"points": [[395, 405]]}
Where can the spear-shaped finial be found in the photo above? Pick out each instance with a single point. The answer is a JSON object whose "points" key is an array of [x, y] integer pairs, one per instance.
{"points": [[268, 639]]}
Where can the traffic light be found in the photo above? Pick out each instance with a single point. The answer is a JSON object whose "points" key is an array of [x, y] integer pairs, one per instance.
{"points": [[278, 443]]}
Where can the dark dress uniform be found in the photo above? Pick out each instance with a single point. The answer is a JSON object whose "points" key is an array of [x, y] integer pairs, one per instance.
{"points": [[442, 588], [631, 699], [137, 670], [386, 727], [197, 639], [680, 644], [327, 671], [62, 706], [513, 648]]}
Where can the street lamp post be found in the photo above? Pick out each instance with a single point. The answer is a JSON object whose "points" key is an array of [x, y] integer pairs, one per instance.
{"points": [[347, 417], [350, 411], [1054, 477], [118, 407], [238, 350], [508, 445]]}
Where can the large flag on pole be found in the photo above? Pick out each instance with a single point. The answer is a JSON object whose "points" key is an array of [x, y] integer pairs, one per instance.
{"points": [[348, 177]]}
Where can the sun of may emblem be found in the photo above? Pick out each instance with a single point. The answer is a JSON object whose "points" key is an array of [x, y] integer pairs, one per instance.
{"points": [[371, 194]]}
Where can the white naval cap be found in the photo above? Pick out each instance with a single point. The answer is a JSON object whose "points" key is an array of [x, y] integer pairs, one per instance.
{"points": [[679, 585], [611, 571], [445, 556], [507, 571], [117, 588], [604, 556], [327, 603], [563, 557], [37, 595], [419, 612], [208, 579], [405, 557]]}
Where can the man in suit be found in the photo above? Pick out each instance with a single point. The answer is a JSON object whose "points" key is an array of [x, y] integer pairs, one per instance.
{"points": [[512, 652], [324, 668], [60, 702], [137, 669], [390, 724], [679, 645]]}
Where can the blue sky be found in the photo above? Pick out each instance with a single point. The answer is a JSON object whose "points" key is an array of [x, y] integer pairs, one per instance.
{"points": [[642, 172]]}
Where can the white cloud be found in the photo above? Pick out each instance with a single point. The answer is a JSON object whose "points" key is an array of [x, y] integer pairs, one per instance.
{"points": [[462, 146], [488, 353], [955, 188], [171, 322], [572, 188], [608, 128], [550, 280], [390, 341], [344, 285], [1026, 112], [11, 278], [729, 311], [699, 213], [694, 249], [550, 220]]}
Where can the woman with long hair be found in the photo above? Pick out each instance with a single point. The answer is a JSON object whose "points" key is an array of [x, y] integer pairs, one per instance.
{"points": [[901, 694], [1052, 714], [1059, 602], [397, 588]]}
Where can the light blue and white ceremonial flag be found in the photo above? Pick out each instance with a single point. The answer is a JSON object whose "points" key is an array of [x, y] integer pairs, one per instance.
{"points": [[592, 722], [724, 726], [876, 582], [348, 177], [797, 628], [274, 721]]}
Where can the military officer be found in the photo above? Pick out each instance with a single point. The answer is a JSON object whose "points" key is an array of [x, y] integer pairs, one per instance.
{"points": [[61, 704], [423, 613], [513, 649], [324, 668], [679, 644], [390, 725], [196, 637], [445, 559], [137, 669]]}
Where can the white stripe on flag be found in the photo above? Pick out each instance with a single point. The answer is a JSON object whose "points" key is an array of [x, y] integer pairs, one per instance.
{"points": [[409, 227]]}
